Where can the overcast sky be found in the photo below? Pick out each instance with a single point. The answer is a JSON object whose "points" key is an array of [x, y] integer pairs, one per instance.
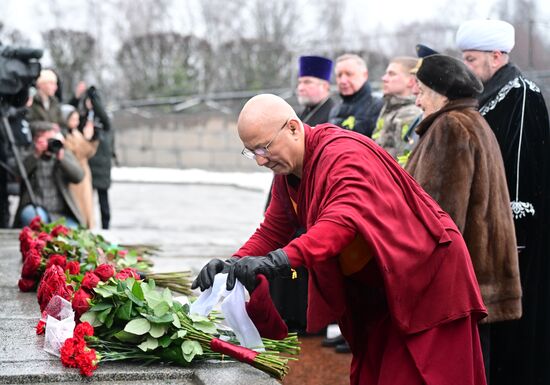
{"points": [[33, 16]]}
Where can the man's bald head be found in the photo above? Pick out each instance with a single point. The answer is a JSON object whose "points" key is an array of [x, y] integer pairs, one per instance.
{"points": [[263, 113], [267, 120]]}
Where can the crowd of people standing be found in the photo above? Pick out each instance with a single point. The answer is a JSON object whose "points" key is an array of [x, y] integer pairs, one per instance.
{"points": [[350, 221]]}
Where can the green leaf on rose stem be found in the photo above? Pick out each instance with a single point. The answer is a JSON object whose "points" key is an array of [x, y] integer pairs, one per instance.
{"points": [[196, 318], [165, 319], [127, 337], [103, 292], [137, 291], [161, 309], [102, 316], [100, 306], [125, 311], [157, 330], [176, 322], [165, 341], [167, 296], [190, 349], [151, 284], [181, 333], [109, 320], [205, 326], [149, 344], [153, 298], [138, 326], [134, 298], [89, 317], [178, 307]]}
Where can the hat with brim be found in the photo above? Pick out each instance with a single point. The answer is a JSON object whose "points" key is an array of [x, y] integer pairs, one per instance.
{"points": [[449, 77], [316, 66]]}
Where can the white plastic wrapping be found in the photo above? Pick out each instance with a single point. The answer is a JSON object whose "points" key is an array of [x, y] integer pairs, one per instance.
{"points": [[60, 324], [233, 308]]}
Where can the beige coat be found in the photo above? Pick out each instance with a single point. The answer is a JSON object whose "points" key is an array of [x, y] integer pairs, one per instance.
{"points": [[83, 191], [458, 162]]}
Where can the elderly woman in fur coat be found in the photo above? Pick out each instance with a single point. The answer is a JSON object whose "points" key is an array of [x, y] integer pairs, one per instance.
{"points": [[458, 162]]}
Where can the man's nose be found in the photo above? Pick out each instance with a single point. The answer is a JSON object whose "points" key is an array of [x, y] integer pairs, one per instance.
{"points": [[260, 160]]}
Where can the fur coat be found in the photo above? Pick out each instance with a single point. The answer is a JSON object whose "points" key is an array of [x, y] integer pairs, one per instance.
{"points": [[458, 162]]}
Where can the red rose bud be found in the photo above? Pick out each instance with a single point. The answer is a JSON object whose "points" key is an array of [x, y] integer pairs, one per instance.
{"points": [[53, 283], [73, 267], [44, 237], [90, 281], [122, 253], [31, 264], [59, 229], [26, 284], [40, 327], [56, 259], [81, 302], [36, 223], [83, 329], [127, 273], [104, 271]]}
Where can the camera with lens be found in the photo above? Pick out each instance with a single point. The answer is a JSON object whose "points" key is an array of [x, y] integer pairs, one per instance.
{"points": [[54, 145], [19, 68]]}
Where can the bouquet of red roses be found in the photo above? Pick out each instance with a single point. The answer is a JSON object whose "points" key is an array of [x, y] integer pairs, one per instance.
{"points": [[132, 320], [43, 245]]}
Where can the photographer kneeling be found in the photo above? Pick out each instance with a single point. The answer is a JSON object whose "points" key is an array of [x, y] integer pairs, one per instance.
{"points": [[50, 169]]}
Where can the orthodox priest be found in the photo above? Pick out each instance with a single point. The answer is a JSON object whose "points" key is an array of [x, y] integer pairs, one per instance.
{"points": [[515, 110], [313, 92], [383, 258]]}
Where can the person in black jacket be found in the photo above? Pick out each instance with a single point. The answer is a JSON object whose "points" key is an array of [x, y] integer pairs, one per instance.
{"points": [[359, 110], [90, 107], [515, 109]]}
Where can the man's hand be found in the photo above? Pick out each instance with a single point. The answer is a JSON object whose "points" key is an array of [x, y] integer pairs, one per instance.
{"points": [[205, 279], [275, 264]]}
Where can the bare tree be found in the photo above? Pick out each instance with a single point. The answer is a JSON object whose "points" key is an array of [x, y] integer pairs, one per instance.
{"points": [[72, 54], [163, 64]]}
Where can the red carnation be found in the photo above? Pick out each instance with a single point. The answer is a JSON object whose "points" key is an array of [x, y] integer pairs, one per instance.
{"points": [[53, 283], [70, 350], [26, 284], [83, 329], [81, 302], [87, 362], [56, 259], [40, 327], [36, 223], [59, 229], [25, 241], [90, 281], [127, 273], [104, 271], [31, 264], [73, 267]]}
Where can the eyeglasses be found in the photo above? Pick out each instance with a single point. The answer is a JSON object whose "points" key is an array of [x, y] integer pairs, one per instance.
{"points": [[262, 151]]}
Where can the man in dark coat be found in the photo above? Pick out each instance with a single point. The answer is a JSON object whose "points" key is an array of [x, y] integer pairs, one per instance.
{"points": [[313, 91], [358, 110], [515, 109], [394, 272]]}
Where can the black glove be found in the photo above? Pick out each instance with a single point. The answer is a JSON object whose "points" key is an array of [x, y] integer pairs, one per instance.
{"points": [[205, 279], [275, 264]]}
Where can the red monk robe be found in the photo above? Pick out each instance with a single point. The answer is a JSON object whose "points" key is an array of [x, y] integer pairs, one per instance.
{"points": [[384, 260]]}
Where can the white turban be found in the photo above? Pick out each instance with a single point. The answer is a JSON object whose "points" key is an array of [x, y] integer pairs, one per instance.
{"points": [[485, 35]]}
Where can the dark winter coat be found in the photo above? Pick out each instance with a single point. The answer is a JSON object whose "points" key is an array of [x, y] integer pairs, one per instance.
{"points": [[357, 112], [458, 162]]}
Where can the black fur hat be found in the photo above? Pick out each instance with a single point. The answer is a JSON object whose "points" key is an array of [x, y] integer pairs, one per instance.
{"points": [[449, 77]]}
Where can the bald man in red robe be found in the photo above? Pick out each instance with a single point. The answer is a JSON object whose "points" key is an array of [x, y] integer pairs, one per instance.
{"points": [[384, 259]]}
